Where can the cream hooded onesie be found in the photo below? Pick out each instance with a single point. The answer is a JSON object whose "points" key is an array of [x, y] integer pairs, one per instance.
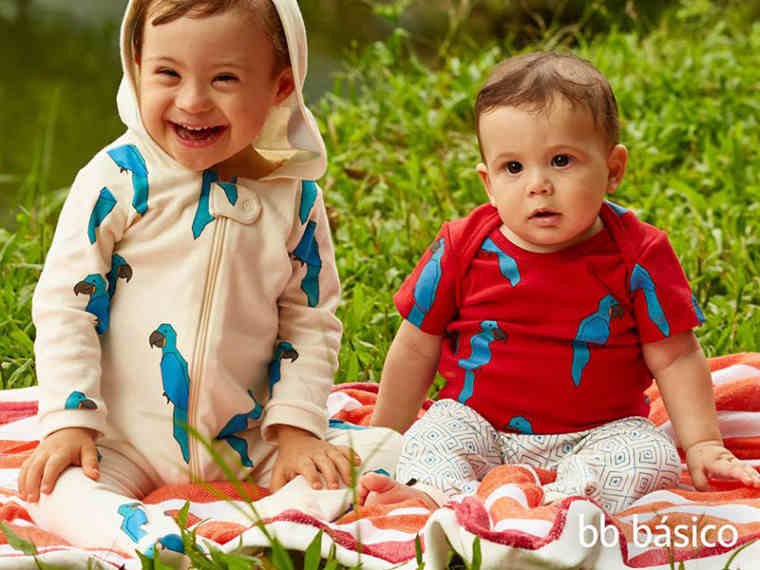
{"points": [[169, 297]]}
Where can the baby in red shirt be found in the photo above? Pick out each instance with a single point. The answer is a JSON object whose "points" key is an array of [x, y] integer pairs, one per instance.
{"points": [[548, 311]]}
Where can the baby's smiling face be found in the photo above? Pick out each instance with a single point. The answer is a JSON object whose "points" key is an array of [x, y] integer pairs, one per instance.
{"points": [[205, 85]]}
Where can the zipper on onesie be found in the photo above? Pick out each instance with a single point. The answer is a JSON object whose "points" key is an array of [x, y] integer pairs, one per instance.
{"points": [[201, 338]]}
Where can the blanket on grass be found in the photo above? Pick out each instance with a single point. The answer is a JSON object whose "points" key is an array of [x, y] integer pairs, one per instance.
{"points": [[674, 528]]}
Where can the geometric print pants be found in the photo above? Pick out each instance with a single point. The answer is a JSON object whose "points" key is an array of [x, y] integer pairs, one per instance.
{"points": [[452, 447]]}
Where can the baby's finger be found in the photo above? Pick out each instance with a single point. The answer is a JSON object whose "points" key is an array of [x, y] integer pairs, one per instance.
{"points": [[20, 481], [90, 460], [349, 454], [22, 476], [699, 479], [32, 477], [747, 474], [53, 469], [342, 463], [328, 469], [353, 456], [310, 473], [723, 469], [362, 491], [278, 478]]}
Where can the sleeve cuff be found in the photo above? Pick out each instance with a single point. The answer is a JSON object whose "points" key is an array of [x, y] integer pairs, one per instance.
{"points": [[305, 416], [54, 421]]}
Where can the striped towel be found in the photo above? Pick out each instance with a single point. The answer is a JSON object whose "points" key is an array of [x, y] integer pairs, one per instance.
{"points": [[715, 530]]}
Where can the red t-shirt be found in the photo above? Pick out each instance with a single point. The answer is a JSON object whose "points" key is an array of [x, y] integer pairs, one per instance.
{"points": [[548, 342]]}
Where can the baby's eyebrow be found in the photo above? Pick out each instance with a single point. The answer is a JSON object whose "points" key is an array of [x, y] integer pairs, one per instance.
{"points": [[230, 64], [506, 155], [161, 58]]}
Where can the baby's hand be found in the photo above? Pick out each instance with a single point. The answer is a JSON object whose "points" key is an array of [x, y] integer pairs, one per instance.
{"points": [[302, 453], [67, 446], [712, 458], [376, 489]]}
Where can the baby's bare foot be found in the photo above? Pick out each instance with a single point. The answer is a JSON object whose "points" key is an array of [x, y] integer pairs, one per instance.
{"points": [[376, 489]]}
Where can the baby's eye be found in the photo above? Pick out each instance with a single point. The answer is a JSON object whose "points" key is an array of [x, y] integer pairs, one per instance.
{"points": [[561, 160], [169, 72], [225, 77], [513, 167]]}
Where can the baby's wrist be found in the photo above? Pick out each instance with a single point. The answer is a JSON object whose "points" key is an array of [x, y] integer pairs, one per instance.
{"points": [[74, 430], [285, 433], [702, 444]]}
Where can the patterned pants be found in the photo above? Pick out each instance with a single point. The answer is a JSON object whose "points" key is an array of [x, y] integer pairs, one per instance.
{"points": [[452, 447]]}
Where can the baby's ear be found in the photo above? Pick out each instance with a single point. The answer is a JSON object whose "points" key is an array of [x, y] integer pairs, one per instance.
{"points": [[285, 85], [486, 180], [616, 163], [136, 55]]}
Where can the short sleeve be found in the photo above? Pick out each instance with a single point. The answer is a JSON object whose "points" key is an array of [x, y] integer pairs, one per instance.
{"points": [[663, 303], [427, 298]]}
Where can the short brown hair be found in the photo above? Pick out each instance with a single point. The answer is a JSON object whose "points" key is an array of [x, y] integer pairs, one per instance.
{"points": [[534, 79], [169, 10]]}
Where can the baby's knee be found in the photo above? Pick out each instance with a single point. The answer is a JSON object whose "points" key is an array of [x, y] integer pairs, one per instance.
{"points": [[66, 496], [377, 447]]}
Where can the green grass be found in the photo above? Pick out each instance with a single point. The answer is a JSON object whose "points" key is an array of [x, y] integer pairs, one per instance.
{"points": [[402, 157]]}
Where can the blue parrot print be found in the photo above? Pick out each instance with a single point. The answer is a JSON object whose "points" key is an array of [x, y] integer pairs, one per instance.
{"points": [[427, 284], [129, 159], [176, 382], [307, 252], [171, 542], [78, 401], [595, 329], [283, 350], [308, 197], [640, 279], [105, 204], [99, 305], [480, 355], [238, 423], [697, 309], [519, 424], [617, 208], [120, 269], [134, 519], [507, 264], [203, 215]]}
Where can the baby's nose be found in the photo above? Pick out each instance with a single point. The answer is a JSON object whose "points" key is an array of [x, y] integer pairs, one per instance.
{"points": [[193, 99], [540, 184]]}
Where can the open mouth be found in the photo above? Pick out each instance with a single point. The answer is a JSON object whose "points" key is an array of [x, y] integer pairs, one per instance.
{"points": [[545, 217], [198, 136], [544, 214]]}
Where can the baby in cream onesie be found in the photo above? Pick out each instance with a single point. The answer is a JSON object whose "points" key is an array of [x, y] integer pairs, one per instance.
{"points": [[191, 285]]}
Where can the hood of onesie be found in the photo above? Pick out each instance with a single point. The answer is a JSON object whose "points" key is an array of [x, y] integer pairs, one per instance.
{"points": [[290, 132]]}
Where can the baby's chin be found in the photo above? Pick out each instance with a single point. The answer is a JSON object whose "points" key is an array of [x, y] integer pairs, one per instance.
{"points": [[245, 162], [196, 165]]}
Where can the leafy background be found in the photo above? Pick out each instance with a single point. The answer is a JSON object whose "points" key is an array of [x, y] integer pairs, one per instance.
{"points": [[398, 119]]}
